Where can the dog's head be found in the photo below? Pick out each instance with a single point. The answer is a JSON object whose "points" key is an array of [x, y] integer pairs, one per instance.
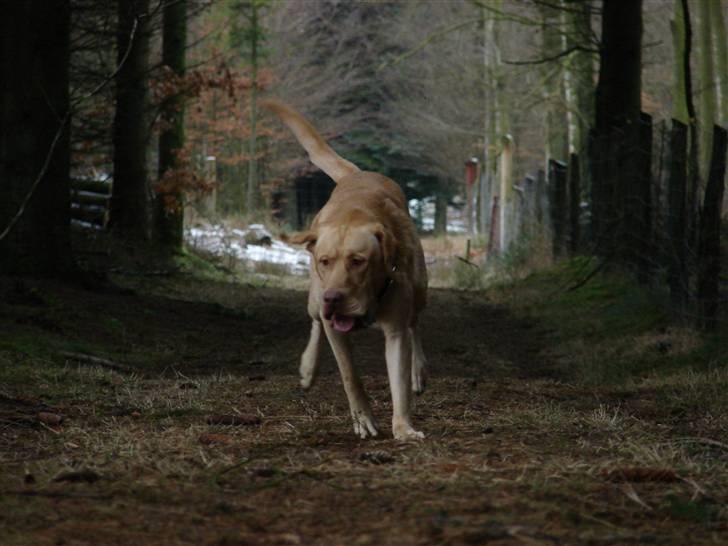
{"points": [[353, 263]]}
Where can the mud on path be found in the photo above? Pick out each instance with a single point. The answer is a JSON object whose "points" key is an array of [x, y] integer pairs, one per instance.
{"points": [[514, 453]]}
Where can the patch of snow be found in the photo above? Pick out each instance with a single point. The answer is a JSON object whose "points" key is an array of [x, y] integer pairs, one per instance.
{"points": [[222, 241], [422, 212]]}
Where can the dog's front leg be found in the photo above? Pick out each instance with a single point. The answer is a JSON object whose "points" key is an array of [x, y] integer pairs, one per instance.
{"points": [[398, 353], [361, 412]]}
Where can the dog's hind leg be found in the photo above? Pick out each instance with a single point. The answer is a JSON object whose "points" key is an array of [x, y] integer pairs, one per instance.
{"points": [[361, 411], [310, 356], [419, 363]]}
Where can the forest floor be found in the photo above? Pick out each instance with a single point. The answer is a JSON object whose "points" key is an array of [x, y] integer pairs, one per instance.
{"points": [[575, 418]]}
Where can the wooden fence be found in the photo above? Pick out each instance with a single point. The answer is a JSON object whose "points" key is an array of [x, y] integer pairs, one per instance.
{"points": [[641, 205]]}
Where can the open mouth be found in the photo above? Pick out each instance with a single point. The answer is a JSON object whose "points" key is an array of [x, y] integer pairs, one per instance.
{"points": [[343, 323]]}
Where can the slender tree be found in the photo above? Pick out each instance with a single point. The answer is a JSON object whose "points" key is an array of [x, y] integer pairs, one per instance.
{"points": [[720, 56], [555, 76], [169, 207], [34, 141], [707, 100], [248, 35], [130, 203], [679, 101]]}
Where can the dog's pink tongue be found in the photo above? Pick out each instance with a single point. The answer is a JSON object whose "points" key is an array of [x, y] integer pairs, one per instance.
{"points": [[342, 323]]}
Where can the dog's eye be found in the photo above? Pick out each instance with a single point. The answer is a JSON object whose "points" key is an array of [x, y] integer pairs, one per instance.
{"points": [[356, 261], [324, 262]]}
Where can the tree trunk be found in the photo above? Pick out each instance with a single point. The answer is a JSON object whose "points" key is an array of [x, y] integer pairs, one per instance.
{"points": [[553, 74], [169, 209], [34, 141], [583, 72], [720, 56], [130, 203], [706, 85], [251, 201], [679, 98], [617, 118]]}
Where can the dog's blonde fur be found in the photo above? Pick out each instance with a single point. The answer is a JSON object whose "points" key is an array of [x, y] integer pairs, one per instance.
{"points": [[367, 268]]}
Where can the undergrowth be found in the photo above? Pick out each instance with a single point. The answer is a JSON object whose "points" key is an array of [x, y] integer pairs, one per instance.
{"points": [[606, 329]]}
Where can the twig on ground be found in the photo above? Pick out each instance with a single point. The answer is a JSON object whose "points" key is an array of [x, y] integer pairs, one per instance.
{"points": [[96, 361]]}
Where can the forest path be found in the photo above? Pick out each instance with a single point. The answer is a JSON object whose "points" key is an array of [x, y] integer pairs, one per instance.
{"points": [[513, 454]]}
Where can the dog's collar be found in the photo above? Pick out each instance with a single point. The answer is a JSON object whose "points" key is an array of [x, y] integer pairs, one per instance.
{"points": [[387, 283], [367, 320]]}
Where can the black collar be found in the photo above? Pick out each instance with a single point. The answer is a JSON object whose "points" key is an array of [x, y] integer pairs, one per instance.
{"points": [[369, 319]]}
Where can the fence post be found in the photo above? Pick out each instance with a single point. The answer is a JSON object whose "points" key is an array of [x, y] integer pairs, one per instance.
{"points": [[574, 195], [558, 205], [709, 234], [494, 236], [643, 247], [529, 198], [506, 193], [542, 198], [677, 194]]}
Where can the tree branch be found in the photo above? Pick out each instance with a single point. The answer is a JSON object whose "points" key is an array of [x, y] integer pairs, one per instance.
{"points": [[559, 55]]}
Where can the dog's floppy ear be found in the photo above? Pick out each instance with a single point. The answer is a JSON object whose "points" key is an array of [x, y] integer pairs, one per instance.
{"points": [[388, 244], [304, 237]]}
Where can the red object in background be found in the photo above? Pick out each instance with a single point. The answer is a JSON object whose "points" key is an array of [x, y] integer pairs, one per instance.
{"points": [[471, 171]]}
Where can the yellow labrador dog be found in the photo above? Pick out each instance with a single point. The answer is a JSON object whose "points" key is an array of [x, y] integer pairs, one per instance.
{"points": [[367, 269]]}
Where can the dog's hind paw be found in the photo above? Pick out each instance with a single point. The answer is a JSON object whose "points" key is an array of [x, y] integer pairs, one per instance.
{"points": [[419, 381]]}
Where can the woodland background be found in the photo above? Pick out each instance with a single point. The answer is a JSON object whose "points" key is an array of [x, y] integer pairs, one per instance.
{"points": [[154, 105], [565, 163]]}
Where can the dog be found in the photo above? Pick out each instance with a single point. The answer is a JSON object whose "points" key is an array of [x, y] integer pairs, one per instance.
{"points": [[367, 269]]}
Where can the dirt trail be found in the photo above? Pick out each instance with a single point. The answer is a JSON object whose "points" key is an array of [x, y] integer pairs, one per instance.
{"points": [[512, 455]]}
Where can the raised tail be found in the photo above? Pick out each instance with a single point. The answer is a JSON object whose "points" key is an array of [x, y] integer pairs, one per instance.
{"points": [[318, 150]]}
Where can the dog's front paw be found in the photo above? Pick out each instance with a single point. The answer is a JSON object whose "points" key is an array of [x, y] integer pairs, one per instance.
{"points": [[404, 431], [307, 370], [364, 424], [306, 381]]}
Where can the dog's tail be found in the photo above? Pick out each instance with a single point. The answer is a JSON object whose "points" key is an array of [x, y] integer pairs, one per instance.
{"points": [[318, 150]]}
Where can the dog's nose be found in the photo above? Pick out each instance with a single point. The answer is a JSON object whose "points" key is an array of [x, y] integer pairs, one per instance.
{"points": [[332, 297]]}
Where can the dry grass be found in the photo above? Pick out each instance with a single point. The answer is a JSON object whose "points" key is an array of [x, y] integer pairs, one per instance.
{"points": [[512, 455]]}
